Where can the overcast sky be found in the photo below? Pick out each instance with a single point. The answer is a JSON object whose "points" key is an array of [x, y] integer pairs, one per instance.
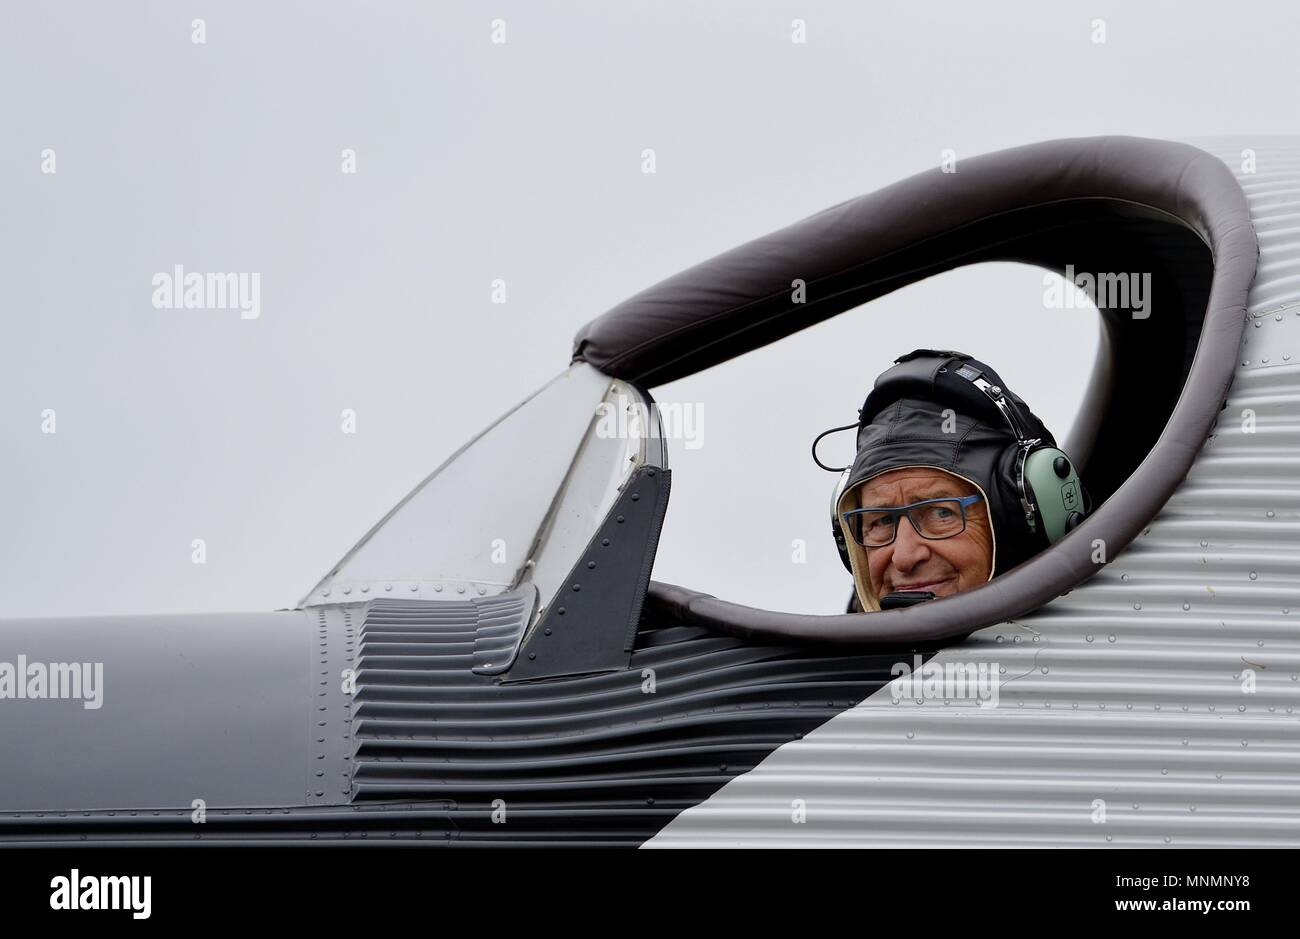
{"points": [[521, 161]]}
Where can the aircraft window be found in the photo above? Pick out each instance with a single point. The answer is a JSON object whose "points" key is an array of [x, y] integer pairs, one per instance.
{"points": [[515, 505], [750, 515]]}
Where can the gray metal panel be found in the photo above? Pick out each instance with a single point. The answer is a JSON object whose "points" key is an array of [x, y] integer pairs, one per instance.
{"points": [[602, 759], [334, 651], [591, 624], [198, 706], [1130, 688]]}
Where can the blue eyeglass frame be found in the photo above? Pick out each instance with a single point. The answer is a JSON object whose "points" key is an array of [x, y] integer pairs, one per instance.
{"points": [[896, 511]]}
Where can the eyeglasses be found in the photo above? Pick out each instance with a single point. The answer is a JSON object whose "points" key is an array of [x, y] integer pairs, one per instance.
{"points": [[934, 519]]}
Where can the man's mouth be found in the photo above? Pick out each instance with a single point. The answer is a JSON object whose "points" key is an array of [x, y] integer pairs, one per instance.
{"points": [[921, 585]]}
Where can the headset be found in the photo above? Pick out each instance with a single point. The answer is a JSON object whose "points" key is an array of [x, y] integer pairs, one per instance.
{"points": [[1052, 496]]}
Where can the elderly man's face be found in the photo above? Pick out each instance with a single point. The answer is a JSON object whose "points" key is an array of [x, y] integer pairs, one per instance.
{"points": [[911, 562]]}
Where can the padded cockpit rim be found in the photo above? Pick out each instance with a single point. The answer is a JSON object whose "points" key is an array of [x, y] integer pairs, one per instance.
{"points": [[642, 340]]}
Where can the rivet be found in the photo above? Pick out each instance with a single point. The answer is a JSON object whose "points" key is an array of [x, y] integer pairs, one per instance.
{"points": [[1253, 575], [482, 590], [326, 593], [365, 588], [437, 588], [604, 542], [388, 586], [591, 565], [620, 520], [347, 589], [532, 655], [636, 496], [577, 587], [560, 611]]}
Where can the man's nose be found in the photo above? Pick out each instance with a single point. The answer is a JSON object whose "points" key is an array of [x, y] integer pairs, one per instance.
{"points": [[910, 549]]}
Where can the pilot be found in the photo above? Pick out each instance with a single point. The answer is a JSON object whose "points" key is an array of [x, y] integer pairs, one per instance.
{"points": [[955, 481]]}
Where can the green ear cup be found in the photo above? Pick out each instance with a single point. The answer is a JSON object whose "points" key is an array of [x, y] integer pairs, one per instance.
{"points": [[1052, 479]]}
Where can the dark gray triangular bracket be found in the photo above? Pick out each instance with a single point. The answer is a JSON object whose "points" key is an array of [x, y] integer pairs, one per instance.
{"points": [[591, 622]]}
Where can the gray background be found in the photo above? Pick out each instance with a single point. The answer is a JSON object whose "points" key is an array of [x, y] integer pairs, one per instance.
{"points": [[478, 161]]}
